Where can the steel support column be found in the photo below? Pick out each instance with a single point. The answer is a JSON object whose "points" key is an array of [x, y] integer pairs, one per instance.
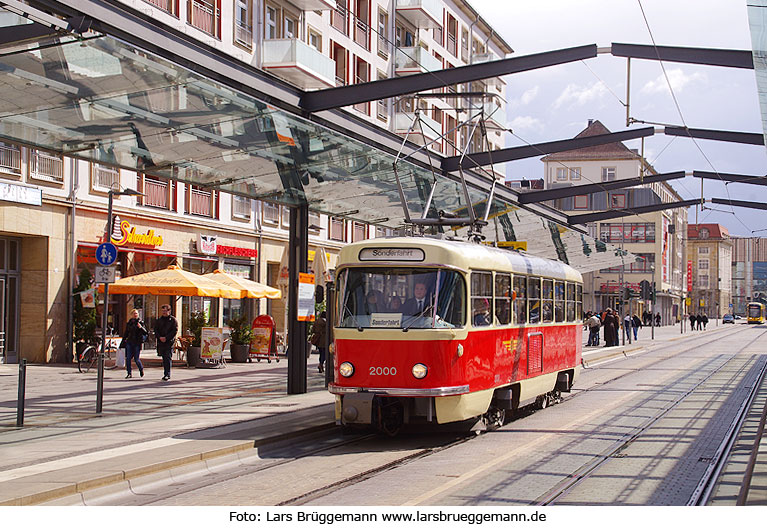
{"points": [[700, 56], [298, 262]]}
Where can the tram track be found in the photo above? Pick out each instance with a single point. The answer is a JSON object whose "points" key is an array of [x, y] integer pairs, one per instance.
{"points": [[588, 470]]}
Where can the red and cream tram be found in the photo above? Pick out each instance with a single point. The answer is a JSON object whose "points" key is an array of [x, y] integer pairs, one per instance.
{"points": [[438, 330]]}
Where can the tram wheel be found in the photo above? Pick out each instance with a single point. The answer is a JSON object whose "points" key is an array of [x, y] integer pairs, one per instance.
{"points": [[494, 418], [542, 401]]}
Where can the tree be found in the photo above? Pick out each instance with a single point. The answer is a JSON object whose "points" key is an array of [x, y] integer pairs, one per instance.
{"points": [[84, 318]]}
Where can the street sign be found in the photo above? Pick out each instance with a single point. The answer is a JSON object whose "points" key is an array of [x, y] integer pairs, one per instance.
{"points": [[106, 254], [105, 275]]}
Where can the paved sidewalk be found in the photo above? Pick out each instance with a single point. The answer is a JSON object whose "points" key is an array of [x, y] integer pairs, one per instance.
{"points": [[148, 425]]}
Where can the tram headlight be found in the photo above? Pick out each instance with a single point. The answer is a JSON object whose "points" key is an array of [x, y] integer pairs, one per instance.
{"points": [[346, 369], [420, 370]]}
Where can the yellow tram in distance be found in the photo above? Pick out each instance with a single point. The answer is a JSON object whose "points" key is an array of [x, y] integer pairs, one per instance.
{"points": [[755, 313]]}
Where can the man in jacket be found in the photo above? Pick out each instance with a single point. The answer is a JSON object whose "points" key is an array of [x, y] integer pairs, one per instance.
{"points": [[165, 330]]}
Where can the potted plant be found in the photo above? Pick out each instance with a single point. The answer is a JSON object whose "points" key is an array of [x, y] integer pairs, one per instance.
{"points": [[196, 321], [84, 321], [240, 336]]}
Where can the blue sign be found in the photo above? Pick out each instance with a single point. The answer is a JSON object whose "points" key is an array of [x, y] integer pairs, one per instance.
{"points": [[106, 254]]}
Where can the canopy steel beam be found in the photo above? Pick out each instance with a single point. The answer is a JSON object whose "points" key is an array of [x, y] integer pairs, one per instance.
{"points": [[760, 180], [756, 139], [677, 54], [331, 98], [570, 191], [485, 158], [24, 32], [745, 204], [611, 214]]}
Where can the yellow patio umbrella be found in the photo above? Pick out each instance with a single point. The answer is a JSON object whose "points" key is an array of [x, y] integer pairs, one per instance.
{"points": [[249, 289], [172, 281]]}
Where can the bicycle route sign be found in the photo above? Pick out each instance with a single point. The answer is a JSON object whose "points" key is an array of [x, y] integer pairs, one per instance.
{"points": [[106, 254]]}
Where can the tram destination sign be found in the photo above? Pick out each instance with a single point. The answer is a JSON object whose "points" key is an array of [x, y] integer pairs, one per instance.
{"points": [[393, 254]]}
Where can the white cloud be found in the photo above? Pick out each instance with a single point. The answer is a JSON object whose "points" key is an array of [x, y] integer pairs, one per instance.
{"points": [[678, 79], [578, 95], [521, 124]]}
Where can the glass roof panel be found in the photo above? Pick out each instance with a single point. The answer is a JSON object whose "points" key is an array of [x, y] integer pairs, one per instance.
{"points": [[105, 100]]}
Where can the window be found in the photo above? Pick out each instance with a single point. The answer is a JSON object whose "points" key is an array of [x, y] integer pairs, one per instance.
{"points": [[703, 263], [171, 6], [362, 75], [285, 217], [547, 298], [404, 37], [383, 34], [562, 174], [337, 230], [437, 34], [201, 202], [340, 56], [703, 250], [617, 200], [315, 222], [575, 174], [45, 166], [243, 30], [464, 45], [382, 106], [314, 39], [270, 26], [703, 281], [452, 35], [383, 232], [481, 298], [289, 27], [608, 173], [581, 202], [271, 213], [10, 159], [205, 15], [570, 309], [627, 232], [159, 192], [359, 231], [520, 301], [503, 298], [362, 24], [105, 177], [339, 16], [241, 207], [534, 299], [703, 234], [559, 301]]}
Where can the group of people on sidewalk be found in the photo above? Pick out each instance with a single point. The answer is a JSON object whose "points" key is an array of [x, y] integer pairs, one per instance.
{"points": [[610, 321], [700, 321], [136, 333]]}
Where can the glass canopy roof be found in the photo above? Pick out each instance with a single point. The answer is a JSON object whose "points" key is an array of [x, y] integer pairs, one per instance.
{"points": [[108, 101], [757, 20]]}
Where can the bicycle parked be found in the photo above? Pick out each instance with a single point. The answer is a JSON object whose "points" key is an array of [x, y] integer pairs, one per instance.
{"points": [[90, 355]]}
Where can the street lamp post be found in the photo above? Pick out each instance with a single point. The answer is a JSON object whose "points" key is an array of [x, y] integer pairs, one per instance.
{"points": [[100, 378]]}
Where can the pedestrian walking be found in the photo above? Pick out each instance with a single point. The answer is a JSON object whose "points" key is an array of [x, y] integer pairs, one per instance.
{"points": [[657, 319], [318, 338], [693, 320], [134, 336], [636, 324], [704, 318], [593, 323], [610, 324], [627, 324], [165, 330]]}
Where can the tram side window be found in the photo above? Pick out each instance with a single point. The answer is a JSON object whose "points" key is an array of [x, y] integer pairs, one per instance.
{"points": [[570, 301], [534, 299], [481, 298], [547, 294], [559, 301], [503, 298], [579, 302], [520, 302]]}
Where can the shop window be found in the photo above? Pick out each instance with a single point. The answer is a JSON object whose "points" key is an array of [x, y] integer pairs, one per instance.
{"points": [[45, 166], [10, 159]]}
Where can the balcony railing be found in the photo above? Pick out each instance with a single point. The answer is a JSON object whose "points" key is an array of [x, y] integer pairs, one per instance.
{"points": [[362, 34], [165, 5], [105, 177], [243, 33], [415, 59], [200, 202], [339, 17], [404, 120], [46, 166], [421, 13], [241, 207], [156, 193], [204, 16], [299, 63], [10, 159]]}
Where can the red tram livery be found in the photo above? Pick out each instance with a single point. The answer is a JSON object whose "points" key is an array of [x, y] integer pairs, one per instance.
{"points": [[437, 330]]}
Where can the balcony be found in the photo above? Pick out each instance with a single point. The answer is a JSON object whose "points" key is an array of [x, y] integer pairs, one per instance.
{"points": [[46, 166], [421, 13], [314, 5], [483, 58], [415, 60], [299, 63], [10, 159], [157, 193], [491, 111], [432, 129]]}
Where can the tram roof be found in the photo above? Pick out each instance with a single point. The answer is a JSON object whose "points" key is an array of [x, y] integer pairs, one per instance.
{"points": [[138, 96], [467, 256]]}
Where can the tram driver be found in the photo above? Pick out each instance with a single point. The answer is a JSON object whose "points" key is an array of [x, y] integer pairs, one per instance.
{"points": [[419, 304]]}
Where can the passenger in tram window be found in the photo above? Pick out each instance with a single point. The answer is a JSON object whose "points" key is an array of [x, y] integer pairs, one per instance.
{"points": [[419, 303], [374, 302], [547, 312], [395, 304], [481, 312]]}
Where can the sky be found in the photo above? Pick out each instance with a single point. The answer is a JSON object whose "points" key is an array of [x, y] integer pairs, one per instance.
{"points": [[556, 103]]}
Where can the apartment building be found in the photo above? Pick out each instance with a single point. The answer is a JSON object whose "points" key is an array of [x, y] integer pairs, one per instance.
{"points": [[709, 267], [657, 238], [55, 207], [749, 272]]}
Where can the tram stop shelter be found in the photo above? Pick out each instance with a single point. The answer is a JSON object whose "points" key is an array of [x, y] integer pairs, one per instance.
{"points": [[98, 82]]}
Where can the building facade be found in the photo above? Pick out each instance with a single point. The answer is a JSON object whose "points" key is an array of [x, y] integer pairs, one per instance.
{"points": [[749, 272], [54, 208], [709, 260], [656, 239]]}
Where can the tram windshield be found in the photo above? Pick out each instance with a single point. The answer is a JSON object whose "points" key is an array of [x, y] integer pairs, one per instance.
{"points": [[755, 311], [403, 298]]}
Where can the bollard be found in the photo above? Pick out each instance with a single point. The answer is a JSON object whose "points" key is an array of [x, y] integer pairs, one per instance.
{"points": [[22, 385]]}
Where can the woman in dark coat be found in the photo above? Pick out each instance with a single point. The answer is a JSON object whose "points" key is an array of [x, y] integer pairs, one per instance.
{"points": [[135, 333], [610, 327], [318, 338]]}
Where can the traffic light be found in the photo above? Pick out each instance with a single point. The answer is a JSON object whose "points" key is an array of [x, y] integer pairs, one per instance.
{"points": [[645, 289], [626, 293]]}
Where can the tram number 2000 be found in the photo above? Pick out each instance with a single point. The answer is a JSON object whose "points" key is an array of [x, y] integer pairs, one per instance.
{"points": [[383, 371]]}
